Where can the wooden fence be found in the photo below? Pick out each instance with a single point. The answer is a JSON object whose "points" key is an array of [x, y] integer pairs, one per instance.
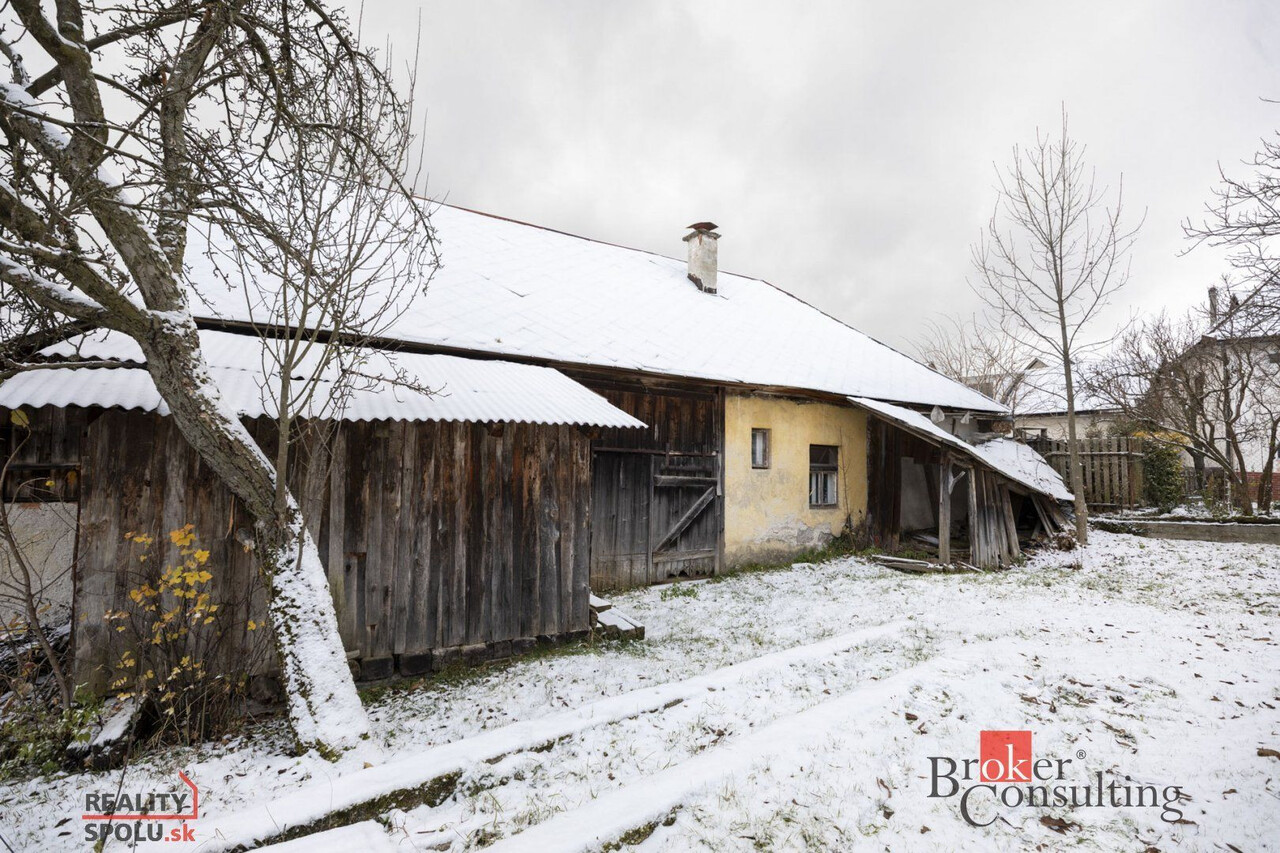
{"points": [[1112, 469]]}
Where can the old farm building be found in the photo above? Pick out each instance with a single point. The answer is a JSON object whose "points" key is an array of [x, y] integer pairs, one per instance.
{"points": [[608, 418]]}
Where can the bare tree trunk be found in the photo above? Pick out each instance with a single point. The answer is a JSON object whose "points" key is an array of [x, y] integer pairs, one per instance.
{"points": [[1265, 480], [1077, 471], [1073, 445], [1240, 474], [324, 708]]}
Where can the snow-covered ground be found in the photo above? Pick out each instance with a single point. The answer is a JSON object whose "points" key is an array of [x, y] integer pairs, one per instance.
{"points": [[1158, 661]]}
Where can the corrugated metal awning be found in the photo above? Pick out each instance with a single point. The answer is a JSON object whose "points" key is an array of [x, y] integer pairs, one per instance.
{"points": [[1011, 459], [393, 386]]}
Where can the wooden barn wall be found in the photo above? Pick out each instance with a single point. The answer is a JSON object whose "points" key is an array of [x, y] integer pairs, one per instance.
{"points": [[884, 475], [139, 477], [45, 456], [441, 540], [634, 503]]}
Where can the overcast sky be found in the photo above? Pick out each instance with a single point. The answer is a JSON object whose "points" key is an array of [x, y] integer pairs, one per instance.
{"points": [[845, 149]]}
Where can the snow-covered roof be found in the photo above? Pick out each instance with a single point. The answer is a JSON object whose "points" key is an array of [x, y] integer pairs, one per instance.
{"points": [[461, 389], [1024, 465], [518, 290], [1012, 459]]}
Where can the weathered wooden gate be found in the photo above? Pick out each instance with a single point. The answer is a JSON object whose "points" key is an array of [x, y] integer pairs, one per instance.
{"points": [[684, 522], [657, 494]]}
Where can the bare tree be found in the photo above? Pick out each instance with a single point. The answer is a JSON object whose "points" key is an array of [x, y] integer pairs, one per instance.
{"points": [[1188, 389], [134, 123], [978, 354], [1244, 218], [329, 258], [1051, 257]]}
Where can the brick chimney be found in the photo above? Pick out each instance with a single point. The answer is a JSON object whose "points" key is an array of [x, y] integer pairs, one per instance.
{"points": [[702, 255], [1213, 305]]}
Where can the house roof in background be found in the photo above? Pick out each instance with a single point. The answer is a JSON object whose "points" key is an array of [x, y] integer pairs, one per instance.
{"points": [[527, 292], [1043, 391], [461, 389]]}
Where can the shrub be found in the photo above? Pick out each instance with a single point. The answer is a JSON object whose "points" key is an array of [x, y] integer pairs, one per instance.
{"points": [[1162, 476], [176, 657]]}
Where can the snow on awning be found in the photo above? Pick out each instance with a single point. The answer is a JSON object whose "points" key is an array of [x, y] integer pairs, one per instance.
{"points": [[1011, 459], [460, 389]]}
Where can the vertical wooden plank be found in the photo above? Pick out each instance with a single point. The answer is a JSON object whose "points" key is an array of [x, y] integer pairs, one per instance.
{"points": [[472, 569], [508, 604], [1010, 522], [405, 590], [977, 553], [548, 534], [567, 511], [944, 509], [580, 497], [441, 553], [457, 600], [338, 486], [525, 512]]}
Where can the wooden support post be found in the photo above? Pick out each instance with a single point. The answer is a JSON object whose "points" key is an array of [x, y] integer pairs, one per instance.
{"points": [[1010, 522], [944, 510], [977, 553]]}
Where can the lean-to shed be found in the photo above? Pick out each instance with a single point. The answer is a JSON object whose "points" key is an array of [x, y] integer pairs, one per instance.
{"points": [[989, 491]]}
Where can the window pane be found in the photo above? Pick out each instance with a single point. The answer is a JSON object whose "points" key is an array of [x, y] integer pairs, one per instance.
{"points": [[822, 488], [760, 448], [823, 455]]}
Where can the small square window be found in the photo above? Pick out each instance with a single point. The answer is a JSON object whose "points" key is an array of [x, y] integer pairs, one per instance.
{"points": [[824, 467], [759, 448]]}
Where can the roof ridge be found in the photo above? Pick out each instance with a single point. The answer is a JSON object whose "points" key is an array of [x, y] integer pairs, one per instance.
{"points": [[764, 281]]}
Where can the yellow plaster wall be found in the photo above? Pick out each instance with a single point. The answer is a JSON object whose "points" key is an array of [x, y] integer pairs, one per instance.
{"points": [[767, 512]]}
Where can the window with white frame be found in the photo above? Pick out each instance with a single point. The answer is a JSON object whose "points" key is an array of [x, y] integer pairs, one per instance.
{"points": [[759, 448], [824, 466]]}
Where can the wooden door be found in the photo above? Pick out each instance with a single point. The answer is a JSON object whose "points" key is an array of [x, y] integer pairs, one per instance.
{"points": [[621, 483], [685, 516], [656, 510]]}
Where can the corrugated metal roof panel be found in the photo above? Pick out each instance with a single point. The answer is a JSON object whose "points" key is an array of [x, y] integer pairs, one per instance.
{"points": [[461, 389]]}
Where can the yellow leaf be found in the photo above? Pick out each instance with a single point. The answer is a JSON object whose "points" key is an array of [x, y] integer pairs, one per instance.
{"points": [[183, 536], [202, 556], [19, 418]]}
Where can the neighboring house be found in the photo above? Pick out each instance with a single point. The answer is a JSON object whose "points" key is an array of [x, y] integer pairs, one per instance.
{"points": [[607, 418], [1039, 406], [1253, 356]]}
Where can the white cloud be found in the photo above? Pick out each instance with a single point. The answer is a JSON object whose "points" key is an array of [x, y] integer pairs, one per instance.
{"points": [[846, 150]]}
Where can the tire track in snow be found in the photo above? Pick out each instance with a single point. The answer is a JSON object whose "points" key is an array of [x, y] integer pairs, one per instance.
{"points": [[780, 744], [288, 816]]}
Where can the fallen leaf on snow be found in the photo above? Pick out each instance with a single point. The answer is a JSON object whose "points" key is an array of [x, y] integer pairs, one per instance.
{"points": [[1058, 825]]}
